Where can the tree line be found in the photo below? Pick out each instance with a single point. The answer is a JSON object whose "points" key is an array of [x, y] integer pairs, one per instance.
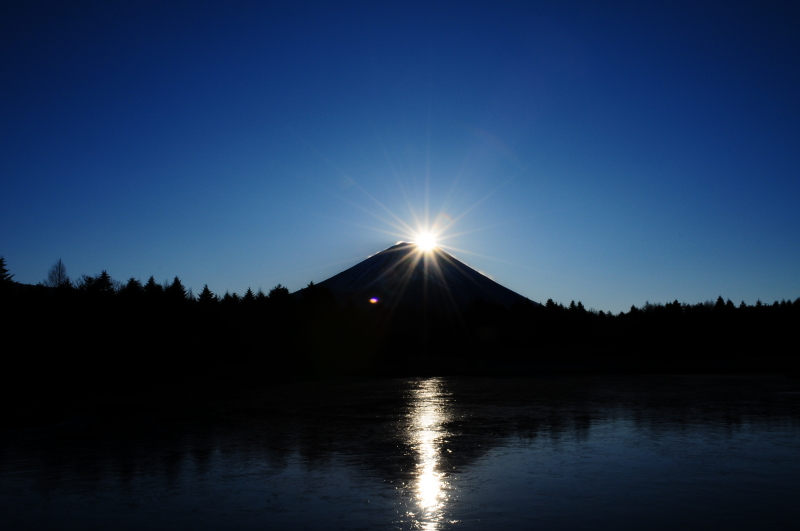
{"points": [[97, 332]]}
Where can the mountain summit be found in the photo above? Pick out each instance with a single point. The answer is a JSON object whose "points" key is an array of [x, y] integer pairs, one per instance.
{"points": [[404, 275]]}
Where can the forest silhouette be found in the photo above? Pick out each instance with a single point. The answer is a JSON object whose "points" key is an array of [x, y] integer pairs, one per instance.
{"points": [[97, 334]]}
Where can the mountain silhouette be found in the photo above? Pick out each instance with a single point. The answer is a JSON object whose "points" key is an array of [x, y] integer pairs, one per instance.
{"points": [[404, 275]]}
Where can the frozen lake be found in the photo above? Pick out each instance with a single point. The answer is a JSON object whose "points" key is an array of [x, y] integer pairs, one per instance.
{"points": [[420, 453]]}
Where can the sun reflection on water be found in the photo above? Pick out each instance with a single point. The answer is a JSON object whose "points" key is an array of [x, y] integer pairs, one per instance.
{"points": [[426, 436]]}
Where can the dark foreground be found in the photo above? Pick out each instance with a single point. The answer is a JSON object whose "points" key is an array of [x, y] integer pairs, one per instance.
{"points": [[101, 339], [595, 452]]}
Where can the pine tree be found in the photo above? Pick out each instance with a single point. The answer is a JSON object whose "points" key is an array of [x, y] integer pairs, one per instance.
{"points": [[249, 298], [229, 300], [176, 291], [261, 297], [132, 289], [206, 297], [278, 292], [152, 288], [105, 284], [86, 284], [102, 284], [279, 299], [5, 278]]}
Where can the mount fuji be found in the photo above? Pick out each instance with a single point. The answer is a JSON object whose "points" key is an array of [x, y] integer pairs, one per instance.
{"points": [[405, 275]]}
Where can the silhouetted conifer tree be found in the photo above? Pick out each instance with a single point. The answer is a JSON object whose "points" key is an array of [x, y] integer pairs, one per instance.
{"points": [[102, 284], [230, 300], [132, 289], [152, 288], [105, 284], [206, 297], [86, 284], [175, 291], [5, 277], [280, 300], [249, 298], [278, 292]]}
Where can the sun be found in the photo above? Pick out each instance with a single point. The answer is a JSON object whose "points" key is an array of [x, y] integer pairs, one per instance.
{"points": [[425, 241]]}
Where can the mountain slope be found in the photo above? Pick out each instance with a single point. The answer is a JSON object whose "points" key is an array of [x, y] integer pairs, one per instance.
{"points": [[402, 275]]}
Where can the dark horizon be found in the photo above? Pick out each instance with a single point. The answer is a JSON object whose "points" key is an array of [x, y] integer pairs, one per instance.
{"points": [[59, 277], [162, 335]]}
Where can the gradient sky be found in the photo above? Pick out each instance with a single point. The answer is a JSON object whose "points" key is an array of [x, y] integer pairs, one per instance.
{"points": [[608, 152]]}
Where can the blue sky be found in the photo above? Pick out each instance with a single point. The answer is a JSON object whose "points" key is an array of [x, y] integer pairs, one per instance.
{"points": [[613, 153]]}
